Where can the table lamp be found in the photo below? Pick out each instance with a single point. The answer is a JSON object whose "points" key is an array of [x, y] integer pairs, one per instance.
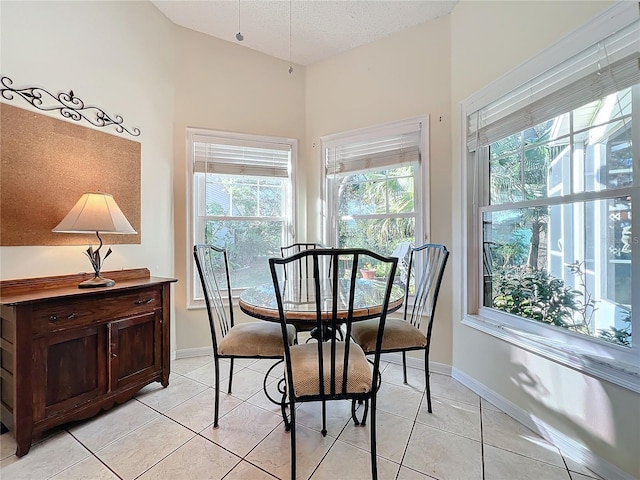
{"points": [[95, 212]]}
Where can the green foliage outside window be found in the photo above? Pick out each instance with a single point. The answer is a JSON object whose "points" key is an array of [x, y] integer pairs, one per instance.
{"points": [[376, 209], [524, 168], [536, 295], [249, 242], [621, 336]]}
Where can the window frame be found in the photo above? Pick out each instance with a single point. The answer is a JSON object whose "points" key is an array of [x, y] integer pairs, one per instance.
{"points": [[611, 362], [191, 191], [421, 178]]}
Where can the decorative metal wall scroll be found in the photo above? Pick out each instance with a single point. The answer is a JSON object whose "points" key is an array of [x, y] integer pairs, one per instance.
{"points": [[67, 104]]}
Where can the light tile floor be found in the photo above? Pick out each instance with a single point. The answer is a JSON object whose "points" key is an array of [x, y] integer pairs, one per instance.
{"points": [[168, 434]]}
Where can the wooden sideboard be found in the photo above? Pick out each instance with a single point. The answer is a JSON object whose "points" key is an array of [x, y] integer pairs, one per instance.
{"points": [[67, 353]]}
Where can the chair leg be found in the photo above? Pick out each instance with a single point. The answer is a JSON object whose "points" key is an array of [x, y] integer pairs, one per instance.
{"points": [[427, 375], [354, 415], [230, 375], [363, 422], [283, 410], [324, 418], [217, 400], [404, 366], [356, 422], [372, 429], [292, 426]]}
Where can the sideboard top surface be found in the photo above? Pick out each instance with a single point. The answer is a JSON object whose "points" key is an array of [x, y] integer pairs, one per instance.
{"points": [[32, 290]]}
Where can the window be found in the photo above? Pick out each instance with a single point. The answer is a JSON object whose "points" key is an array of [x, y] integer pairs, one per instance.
{"points": [[374, 194], [555, 177], [240, 200]]}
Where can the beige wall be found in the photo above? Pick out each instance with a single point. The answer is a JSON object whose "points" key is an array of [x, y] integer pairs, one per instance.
{"points": [[398, 77], [220, 85], [584, 410], [127, 57], [116, 55]]}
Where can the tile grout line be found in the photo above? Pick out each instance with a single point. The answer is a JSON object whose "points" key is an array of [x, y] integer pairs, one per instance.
{"points": [[244, 458], [91, 454], [413, 426]]}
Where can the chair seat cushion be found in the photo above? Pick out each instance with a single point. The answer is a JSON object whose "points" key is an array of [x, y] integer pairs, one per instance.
{"points": [[304, 367], [255, 339], [398, 334]]}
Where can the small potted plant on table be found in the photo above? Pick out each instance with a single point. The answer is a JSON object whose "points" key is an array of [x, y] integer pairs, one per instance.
{"points": [[367, 271]]}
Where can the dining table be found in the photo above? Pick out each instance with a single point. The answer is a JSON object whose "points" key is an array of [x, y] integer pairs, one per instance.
{"points": [[300, 304]]}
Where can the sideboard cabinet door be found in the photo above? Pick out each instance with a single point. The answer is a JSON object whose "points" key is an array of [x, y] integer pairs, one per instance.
{"points": [[69, 368], [135, 349]]}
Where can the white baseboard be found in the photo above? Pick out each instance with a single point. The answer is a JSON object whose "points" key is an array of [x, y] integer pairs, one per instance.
{"points": [[193, 352], [418, 363], [567, 446]]}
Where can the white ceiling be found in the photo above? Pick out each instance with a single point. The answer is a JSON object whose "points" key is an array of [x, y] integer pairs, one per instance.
{"points": [[319, 28]]}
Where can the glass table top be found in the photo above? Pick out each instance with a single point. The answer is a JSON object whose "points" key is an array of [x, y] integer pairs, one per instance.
{"points": [[300, 304]]}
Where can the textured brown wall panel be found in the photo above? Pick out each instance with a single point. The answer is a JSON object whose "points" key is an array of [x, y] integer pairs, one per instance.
{"points": [[47, 164]]}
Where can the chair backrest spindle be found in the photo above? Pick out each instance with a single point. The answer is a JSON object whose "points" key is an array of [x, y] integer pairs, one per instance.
{"points": [[213, 268], [431, 259], [301, 269]]}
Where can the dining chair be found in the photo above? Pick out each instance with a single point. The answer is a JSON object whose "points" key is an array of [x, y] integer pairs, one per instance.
{"points": [[402, 251], [330, 369], [406, 334], [300, 268], [246, 340]]}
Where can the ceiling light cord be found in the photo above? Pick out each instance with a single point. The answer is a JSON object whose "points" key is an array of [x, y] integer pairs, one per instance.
{"points": [[290, 65], [239, 35]]}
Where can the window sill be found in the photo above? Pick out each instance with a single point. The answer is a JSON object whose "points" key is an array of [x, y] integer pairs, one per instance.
{"points": [[201, 304], [616, 372]]}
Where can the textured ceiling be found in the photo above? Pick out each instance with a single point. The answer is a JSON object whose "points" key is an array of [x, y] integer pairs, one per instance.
{"points": [[319, 28]]}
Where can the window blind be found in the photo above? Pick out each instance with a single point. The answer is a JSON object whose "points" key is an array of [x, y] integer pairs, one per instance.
{"points": [[604, 68], [397, 149], [226, 156]]}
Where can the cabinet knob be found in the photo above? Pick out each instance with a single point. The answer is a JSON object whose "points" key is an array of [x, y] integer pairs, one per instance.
{"points": [[145, 301], [114, 355], [53, 318]]}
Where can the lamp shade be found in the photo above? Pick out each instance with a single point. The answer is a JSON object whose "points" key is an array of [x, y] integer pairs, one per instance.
{"points": [[95, 212]]}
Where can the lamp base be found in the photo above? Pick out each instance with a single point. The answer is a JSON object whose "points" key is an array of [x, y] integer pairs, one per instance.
{"points": [[97, 282]]}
